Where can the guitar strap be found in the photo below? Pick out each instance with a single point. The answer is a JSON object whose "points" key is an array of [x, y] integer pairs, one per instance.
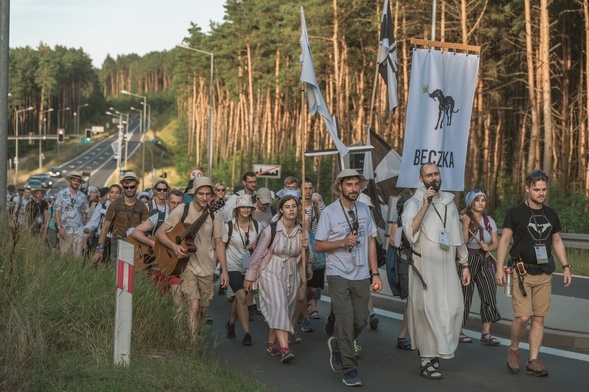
{"points": [[185, 214]]}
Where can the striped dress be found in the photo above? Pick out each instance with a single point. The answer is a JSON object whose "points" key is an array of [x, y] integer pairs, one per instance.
{"points": [[279, 281]]}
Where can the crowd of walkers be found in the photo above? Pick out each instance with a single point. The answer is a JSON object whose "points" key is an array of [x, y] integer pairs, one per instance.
{"points": [[274, 252]]}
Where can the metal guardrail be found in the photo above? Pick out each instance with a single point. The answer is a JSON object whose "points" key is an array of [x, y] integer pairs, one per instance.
{"points": [[571, 240]]}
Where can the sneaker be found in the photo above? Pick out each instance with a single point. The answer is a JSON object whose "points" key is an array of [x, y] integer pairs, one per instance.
{"points": [[335, 359], [287, 355], [489, 339], [513, 360], [329, 324], [230, 330], [351, 379], [357, 349], [273, 349], [247, 340], [536, 368], [307, 326], [209, 320], [373, 321]]}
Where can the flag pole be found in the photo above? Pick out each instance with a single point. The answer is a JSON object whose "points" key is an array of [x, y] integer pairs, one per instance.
{"points": [[302, 182]]}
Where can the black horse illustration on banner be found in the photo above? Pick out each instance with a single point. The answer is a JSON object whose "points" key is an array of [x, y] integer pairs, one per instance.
{"points": [[445, 106]]}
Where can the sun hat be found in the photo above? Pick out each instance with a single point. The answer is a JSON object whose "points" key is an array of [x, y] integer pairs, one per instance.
{"points": [[92, 188], [264, 196], [143, 194], [345, 174], [39, 190], [200, 182], [75, 174], [472, 195], [161, 181], [129, 176], [243, 201]]}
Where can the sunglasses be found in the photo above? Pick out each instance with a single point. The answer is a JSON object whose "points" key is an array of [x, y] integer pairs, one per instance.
{"points": [[352, 214], [477, 190], [129, 187], [220, 189], [161, 189]]}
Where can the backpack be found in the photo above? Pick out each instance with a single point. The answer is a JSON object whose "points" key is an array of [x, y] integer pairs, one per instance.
{"points": [[160, 219], [137, 209], [230, 231]]}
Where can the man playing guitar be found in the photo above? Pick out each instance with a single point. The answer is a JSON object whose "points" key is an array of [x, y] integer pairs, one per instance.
{"points": [[196, 282], [144, 234]]}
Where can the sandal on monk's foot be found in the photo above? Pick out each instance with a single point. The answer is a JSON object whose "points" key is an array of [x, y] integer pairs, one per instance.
{"points": [[464, 339], [403, 344], [428, 371]]}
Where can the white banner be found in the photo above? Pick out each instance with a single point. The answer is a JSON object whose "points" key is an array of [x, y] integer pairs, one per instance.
{"points": [[441, 94]]}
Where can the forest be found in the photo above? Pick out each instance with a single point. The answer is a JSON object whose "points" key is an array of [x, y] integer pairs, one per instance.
{"points": [[530, 108]]}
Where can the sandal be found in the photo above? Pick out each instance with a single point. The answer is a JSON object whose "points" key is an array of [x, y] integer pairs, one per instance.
{"points": [[464, 339], [428, 371], [403, 344], [295, 338], [315, 315], [489, 339]]}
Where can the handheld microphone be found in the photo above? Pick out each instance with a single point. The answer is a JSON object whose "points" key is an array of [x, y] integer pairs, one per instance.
{"points": [[429, 199], [354, 232]]}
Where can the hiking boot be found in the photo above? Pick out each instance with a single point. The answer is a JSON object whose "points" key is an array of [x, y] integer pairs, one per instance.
{"points": [[335, 359], [536, 368], [373, 321], [307, 326], [273, 349], [247, 340], [351, 379], [287, 355], [329, 324], [230, 330], [513, 360]]}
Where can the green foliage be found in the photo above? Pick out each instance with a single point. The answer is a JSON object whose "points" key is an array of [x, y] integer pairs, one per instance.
{"points": [[57, 329]]}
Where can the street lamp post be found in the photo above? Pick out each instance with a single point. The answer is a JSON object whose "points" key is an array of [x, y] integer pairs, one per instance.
{"points": [[211, 114], [142, 136], [16, 154], [59, 123], [148, 119], [78, 119], [41, 119], [120, 126]]}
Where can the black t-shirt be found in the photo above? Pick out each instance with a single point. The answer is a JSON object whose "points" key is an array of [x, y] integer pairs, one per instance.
{"points": [[530, 228], [36, 209]]}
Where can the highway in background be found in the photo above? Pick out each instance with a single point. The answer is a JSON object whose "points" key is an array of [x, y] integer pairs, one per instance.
{"points": [[98, 160]]}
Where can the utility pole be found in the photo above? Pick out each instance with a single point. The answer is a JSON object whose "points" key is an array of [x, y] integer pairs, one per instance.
{"points": [[4, 49]]}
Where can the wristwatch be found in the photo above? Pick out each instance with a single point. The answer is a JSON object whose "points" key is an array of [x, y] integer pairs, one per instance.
{"points": [[375, 274], [566, 266]]}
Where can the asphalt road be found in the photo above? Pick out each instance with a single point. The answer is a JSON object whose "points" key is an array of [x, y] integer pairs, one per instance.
{"points": [[98, 160], [384, 367]]}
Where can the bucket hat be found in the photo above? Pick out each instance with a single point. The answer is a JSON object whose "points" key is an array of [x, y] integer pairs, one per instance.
{"points": [[200, 182], [348, 173]]}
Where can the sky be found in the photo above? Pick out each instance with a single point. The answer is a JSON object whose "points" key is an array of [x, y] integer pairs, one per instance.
{"points": [[114, 27]]}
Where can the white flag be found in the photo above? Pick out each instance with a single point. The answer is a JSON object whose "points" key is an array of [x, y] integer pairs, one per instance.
{"points": [[441, 94], [314, 97]]}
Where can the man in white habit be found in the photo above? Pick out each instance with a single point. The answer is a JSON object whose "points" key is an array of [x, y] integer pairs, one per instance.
{"points": [[432, 225]]}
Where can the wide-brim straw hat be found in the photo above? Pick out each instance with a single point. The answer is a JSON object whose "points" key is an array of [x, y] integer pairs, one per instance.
{"points": [[345, 174], [244, 201], [129, 176], [75, 174]]}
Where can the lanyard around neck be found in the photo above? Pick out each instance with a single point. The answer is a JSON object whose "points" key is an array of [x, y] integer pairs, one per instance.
{"points": [[445, 214]]}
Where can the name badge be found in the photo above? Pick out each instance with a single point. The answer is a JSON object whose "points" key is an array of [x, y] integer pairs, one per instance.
{"points": [[245, 260], [541, 254], [444, 240]]}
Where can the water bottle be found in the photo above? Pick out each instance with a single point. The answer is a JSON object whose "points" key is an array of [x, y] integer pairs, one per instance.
{"points": [[508, 288]]}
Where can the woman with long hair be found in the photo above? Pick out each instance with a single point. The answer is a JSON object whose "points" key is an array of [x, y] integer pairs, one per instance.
{"points": [[480, 234], [277, 269], [242, 235]]}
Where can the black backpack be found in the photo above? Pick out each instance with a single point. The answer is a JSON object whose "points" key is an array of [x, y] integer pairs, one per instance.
{"points": [[230, 231]]}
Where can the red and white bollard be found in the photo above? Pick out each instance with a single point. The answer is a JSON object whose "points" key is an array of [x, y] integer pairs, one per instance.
{"points": [[124, 307]]}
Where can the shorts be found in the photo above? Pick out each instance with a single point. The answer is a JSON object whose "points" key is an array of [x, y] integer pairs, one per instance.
{"points": [[197, 288], [236, 280], [537, 302], [318, 279]]}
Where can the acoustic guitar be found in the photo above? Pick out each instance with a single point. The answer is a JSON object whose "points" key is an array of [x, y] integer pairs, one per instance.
{"points": [[182, 234], [144, 257]]}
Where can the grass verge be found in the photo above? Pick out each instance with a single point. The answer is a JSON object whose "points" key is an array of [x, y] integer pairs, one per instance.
{"points": [[57, 329]]}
